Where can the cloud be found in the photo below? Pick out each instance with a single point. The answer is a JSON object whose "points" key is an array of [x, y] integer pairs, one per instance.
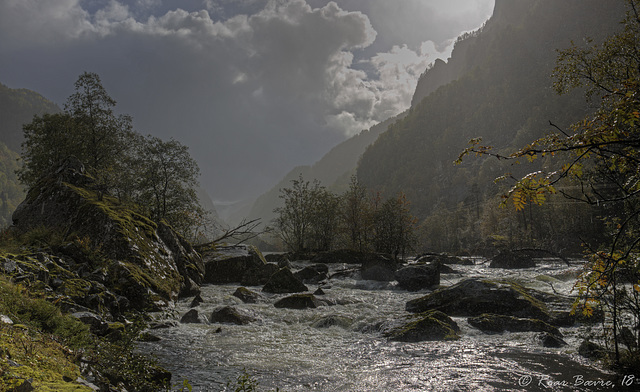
{"points": [[252, 87]]}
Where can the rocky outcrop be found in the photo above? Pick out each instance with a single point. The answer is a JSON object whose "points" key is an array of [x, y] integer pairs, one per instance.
{"points": [[418, 277], [242, 264], [298, 301], [500, 323], [231, 315], [284, 281], [109, 242], [430, 325], [473, 297]]}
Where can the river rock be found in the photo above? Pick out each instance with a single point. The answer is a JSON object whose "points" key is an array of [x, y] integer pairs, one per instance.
{"points": [[591, 350], [512, 260], [241, 263], [378, 267], [418, 277], [331, 321], [284, 281], [550, 340], [298, 301], [197, 300], [442, 258], [500, 323], [194, 317], [473, 297], [231, 315], [247, 296], [313, 273], [430, 325]]}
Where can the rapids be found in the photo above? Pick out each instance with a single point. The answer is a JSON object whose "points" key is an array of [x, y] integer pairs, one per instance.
{"points": [[283, 349]]}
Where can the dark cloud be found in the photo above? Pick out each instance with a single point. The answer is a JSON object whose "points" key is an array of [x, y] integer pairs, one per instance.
{"points": [[252, 87]]}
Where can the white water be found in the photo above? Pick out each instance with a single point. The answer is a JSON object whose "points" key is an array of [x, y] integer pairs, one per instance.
{"points": [[283, 349]]}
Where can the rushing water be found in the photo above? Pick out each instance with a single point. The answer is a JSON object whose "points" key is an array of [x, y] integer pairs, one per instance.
{"points": [[284, 349]]}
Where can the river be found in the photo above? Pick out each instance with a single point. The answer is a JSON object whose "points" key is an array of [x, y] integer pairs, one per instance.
{"points": [[285, 349]]}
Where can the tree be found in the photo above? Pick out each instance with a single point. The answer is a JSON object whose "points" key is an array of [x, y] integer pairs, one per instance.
{"points": [[601, 156], [356, 215], [394, 226], [293, 223], [167, 178]]}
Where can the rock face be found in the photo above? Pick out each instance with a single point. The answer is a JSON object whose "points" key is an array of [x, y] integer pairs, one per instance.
{"points": [[284, 281], [298, 301], [500, 323], [473, 297], [142, 260], [430, 325], [418, 277], [242, 264]]}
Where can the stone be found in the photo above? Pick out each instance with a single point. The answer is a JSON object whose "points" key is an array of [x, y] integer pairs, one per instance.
{"points": [[196, 301], [500, 323], [418, 277], [247, 296], [512, 260], [193, 317], [378, 267], [96, 324], [332, 321], [591, 350], [5, 319], [284, 281], [313, 274], [550, 340], [473, 297], [428, 326], [241, 263], [231, 315], [298, 301]]}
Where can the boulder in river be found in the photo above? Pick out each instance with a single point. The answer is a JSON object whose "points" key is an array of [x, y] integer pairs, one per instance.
{"points": [[378, 267], [473, 297], [284, 281], [429, 325], [194, 317], [298, 301], [512, 260], [241, 263], [418, 277], [231, 315], [313, 273], [499, 323], [247, 296]]}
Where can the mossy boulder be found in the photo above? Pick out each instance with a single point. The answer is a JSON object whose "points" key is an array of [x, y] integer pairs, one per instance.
{"points": [[107, 234], [500, 323], [473, 297], [426, 326], [241, 263], [284, 281]]}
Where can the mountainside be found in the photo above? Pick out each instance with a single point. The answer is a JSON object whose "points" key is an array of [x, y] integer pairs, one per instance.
{"points": [[17, 107], [502, 91], [333, 170]]}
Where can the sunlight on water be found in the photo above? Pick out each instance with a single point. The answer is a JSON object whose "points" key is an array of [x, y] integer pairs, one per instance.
{"points": [[283, 348]]}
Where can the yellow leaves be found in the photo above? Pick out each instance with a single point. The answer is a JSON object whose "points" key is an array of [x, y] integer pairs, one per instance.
{"points": [[530, 189], [636, 288]]}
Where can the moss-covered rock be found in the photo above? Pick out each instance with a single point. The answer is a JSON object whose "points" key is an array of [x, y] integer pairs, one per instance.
{"points": [[429, 325], [142, 257], [473, 297]]}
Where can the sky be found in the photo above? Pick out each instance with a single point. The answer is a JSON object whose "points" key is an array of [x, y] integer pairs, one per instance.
{"points": [[252, 87]]}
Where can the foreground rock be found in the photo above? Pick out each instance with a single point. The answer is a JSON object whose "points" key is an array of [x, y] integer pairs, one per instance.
{"points": [[284, 281], [500, 323], [298, 301], [427, 326], [242, 264], [473, 297], [418, 277], [231, 315], [111, 244]]}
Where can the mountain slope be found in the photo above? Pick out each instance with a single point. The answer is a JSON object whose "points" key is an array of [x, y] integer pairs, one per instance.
{"points": [[504, 95]]}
